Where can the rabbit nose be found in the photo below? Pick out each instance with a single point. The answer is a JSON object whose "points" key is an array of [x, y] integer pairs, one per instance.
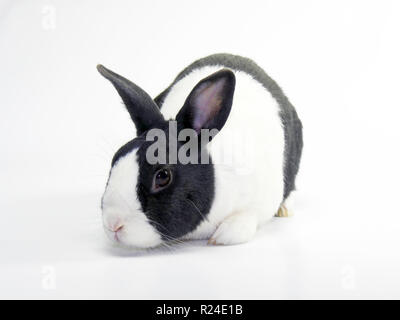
{"points": [[117, 228], [114, 225]]}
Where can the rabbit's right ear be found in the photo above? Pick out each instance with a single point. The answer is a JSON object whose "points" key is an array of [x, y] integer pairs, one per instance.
{"points": [[141, 107], [209, 104]]}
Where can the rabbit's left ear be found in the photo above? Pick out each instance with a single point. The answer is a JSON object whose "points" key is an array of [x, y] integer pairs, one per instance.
{"points": [[209, 104], [143, 110]]}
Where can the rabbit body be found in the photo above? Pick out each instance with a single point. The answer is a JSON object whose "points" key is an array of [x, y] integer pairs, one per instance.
{"points": [[255, 157]]}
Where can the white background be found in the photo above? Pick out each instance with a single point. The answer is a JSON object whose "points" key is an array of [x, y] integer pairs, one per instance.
{"points": [[61, 122]]}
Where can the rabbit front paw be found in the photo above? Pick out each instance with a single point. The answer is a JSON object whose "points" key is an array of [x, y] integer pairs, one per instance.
{"points": [[235, 229]]}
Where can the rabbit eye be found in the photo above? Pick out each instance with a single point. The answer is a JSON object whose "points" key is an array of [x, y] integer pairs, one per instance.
{"points": [[162, 178]]}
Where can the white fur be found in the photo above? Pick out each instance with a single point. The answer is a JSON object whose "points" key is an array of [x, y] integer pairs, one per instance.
{"points": [[248, 192], [122, 208]]}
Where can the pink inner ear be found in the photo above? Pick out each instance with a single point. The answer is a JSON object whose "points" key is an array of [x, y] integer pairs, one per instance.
{"points": [[207, 103]]}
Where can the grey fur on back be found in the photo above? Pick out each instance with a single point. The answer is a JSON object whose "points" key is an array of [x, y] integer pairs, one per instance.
{"points": [[290, 120]]}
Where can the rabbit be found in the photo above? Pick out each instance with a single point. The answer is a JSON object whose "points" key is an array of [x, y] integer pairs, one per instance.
{"points": [[146, 205]]}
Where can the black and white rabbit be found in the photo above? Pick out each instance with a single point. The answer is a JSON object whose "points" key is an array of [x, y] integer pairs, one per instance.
{"points": [[145, 205]]}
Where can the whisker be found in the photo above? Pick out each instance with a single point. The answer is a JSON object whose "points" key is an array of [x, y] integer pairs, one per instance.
{"points": [[198, 210], [169, 240]]}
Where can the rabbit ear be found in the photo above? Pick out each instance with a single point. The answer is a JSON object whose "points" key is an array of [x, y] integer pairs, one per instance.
{"points": [[141, 107], [209, 104]]}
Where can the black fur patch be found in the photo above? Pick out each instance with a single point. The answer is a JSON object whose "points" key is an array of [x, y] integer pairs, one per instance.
{"points": [[290, 120], [185, 203]]}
